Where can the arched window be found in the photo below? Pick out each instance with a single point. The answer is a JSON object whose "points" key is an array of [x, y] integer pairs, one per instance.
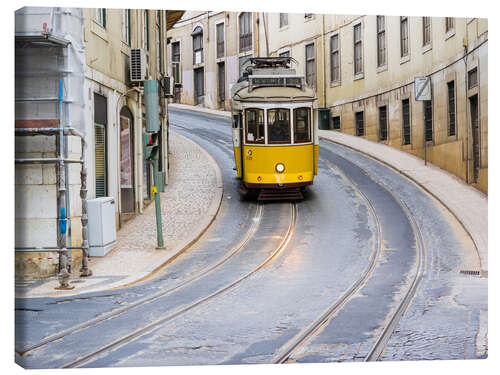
{"points": [[245, 20], [197, 35]]}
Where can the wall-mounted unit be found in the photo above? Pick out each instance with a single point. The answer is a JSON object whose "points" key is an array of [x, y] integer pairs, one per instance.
{"points": [[138, 65], [177, 73], [167, 84], [102, 225]]}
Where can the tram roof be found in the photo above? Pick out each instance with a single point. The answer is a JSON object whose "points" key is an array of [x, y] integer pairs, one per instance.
{"points": [[275, 94]]}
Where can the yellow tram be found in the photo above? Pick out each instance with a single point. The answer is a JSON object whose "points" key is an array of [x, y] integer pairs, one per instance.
{"points": [[275, 130]]}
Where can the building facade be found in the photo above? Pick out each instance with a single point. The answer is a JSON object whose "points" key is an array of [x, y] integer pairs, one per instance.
{"points": [[87, 51], [363, 69]]}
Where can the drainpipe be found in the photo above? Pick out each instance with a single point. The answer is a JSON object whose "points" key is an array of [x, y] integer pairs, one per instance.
{"points": [[140, 161], [265, 33], [324, 64], [63, 272], [467, 157]]}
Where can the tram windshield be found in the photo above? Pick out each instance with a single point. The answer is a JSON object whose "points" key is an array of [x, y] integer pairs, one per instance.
{"points": [[254, 119], [302, 128], [278, 123]]}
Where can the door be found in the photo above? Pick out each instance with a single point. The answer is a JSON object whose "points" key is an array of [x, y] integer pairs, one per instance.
{"points": [[126, 165], [474, 116], [100, 145], [199, 90], [221, 84]]}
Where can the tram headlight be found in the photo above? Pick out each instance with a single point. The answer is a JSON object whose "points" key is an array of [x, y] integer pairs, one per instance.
{"points": [[280, 168]]}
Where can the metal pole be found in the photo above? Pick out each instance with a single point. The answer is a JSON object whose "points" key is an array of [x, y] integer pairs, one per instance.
{"points": [[159, 228]]}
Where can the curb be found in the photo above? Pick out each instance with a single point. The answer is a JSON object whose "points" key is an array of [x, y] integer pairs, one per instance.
{"points": [[208, 111], [199, 231], [201, 228], [484, 273]]}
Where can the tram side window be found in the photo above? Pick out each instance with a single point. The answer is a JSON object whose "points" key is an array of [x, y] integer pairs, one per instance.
{"points": [[302, 128], [254, 125], [278, 123]]}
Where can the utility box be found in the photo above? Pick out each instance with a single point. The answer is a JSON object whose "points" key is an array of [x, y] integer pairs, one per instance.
{"points": [[101, 226], [152, 103]]}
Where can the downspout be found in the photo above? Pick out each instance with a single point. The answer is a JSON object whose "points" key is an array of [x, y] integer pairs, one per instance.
{"points": [[63, 275], [265, 33], [324, 64], [464, 59]]}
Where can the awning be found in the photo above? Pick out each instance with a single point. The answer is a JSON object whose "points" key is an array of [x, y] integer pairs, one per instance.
{"points": [[173, 16]]}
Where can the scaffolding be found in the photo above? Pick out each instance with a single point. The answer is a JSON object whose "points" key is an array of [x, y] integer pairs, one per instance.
{"points": [[58, 33]]}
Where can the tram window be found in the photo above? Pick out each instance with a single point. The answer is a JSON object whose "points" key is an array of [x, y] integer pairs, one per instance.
{"points": [[278, 123], [254, 119], [302, 128]]}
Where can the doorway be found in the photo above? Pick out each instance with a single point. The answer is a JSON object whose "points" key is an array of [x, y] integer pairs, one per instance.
{"points": [[127, 190], [474, 117]]}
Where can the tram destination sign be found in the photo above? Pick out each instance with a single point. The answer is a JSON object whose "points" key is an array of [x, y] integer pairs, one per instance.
{"points": [[423, 88]]}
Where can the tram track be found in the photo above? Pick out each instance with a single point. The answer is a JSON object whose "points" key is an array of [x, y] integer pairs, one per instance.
{"points": [[284, 353], [257, 218], [302, 337], [140, 332]]}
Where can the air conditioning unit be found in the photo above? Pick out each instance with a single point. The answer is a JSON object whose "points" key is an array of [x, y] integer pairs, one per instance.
{"points": [[167, 83], [138, 65], [177, 73], [102, 225]]}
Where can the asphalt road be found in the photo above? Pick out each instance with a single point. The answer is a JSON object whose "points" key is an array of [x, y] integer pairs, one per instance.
{"points": [[367, 266]]}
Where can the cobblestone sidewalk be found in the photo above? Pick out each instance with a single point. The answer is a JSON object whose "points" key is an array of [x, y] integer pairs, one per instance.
{"points": [[189, 204]]}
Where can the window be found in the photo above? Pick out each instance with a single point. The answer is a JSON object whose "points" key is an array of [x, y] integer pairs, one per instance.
{"points": [[404, 36], [100, 16], [451, 109], [334, 58], [406, 122], [126, 26], [336, 122], [220, 39], [382, 120], [278, 125], [310, 65], [358, 52], [428, 120], [245, 32], [159, 58], [426, 29], [360, 124], [176, 58], [450, 24], [381, 49], [145, 29], [283, 20], [197, 45], [301, 125], [472, 78], [254, 129], [285, 54]]}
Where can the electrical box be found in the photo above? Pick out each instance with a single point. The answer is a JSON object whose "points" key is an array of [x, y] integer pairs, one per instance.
{"points": [[152, 102], [101, 226]]}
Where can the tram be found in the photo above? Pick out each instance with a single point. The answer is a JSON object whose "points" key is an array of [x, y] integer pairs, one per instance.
{"points": [[275, 130]]}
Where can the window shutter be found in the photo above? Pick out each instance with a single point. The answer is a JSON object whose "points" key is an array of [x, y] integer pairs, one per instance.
{"points": [[100, 160]]}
